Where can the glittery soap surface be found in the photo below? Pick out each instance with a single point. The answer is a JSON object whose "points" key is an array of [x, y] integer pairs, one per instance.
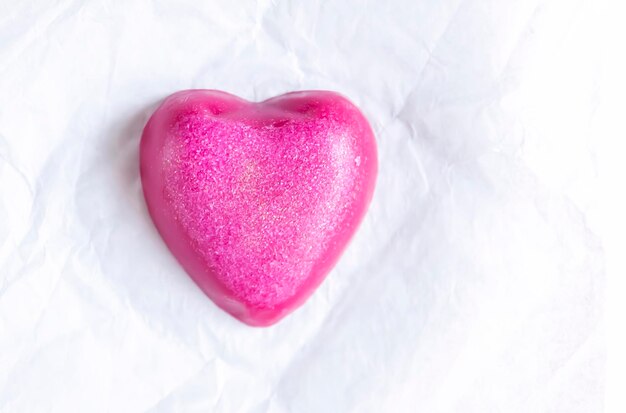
{"points": [[266, 195]]}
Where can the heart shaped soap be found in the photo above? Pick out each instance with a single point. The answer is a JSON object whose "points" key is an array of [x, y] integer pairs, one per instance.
{"points": [[257, 201]]}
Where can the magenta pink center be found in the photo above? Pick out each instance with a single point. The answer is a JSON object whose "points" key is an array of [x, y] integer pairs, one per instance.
{"points": [[262, 202]]}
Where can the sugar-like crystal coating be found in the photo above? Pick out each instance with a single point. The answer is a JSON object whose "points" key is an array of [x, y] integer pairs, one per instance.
{"points": [[257, 201]]}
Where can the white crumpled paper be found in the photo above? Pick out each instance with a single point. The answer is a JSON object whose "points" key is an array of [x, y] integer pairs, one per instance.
{"points": [[474, 284]]}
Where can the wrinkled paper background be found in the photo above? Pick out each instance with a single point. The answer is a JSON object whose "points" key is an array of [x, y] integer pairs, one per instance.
{"points": [[474, 284]]}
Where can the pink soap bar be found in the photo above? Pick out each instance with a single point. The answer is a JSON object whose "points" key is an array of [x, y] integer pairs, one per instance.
{"points": [[257, 201]]}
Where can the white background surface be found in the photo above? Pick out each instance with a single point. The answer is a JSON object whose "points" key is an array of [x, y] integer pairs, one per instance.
{"points": [[477, 282]]}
